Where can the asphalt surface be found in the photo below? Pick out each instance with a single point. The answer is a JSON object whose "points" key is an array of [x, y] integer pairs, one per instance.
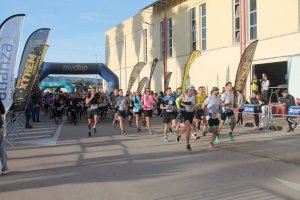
{"points": [[138, 166]]}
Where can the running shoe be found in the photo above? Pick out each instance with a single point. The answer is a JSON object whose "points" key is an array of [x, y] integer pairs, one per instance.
{"points": [[296, 125], [194, 134], [230, 137], [124, 133], [188, 147], [204, 132], [139, 129], [170, 131], [90, 135], [290, 130], [95, 130], [165, 139], [198, 138], [4, 172], [178, 138], [218, 139], [211, 145], [150, 132]]}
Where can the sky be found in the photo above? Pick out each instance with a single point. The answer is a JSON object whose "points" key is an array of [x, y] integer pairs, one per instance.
{"points": [[77, 26]]}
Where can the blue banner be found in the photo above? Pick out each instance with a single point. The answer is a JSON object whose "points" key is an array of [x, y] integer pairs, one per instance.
{"points": [[294, 111]]}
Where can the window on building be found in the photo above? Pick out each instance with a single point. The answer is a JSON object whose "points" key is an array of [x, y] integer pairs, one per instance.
{"points": [[162, 39], [145, 33], [236, 21], [193, 29], [170, 39], [203, 27], [252, 19]]}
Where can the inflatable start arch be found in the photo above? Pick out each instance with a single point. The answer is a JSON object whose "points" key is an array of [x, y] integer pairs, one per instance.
{"points": [[82, 69]]}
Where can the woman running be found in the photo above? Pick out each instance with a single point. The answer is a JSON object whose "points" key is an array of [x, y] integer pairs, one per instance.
{"points": [[121, 106], [93, 116], [188, 102], [148, 101], [137, 109]]}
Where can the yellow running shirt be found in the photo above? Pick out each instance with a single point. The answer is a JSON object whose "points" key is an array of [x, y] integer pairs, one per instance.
{"points": [[201, 98]]}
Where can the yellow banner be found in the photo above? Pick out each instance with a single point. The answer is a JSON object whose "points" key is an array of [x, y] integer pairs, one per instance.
{"points": [[195, 54]]}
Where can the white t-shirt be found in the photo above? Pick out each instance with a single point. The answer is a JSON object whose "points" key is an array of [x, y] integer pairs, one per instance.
{"points": [[228, 98], [265, 85], [213, 105]]}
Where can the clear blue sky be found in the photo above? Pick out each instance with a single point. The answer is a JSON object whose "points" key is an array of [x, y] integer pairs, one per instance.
{"points": [[77, 26]]}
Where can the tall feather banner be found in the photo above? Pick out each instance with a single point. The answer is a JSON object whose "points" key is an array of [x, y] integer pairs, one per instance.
{"points": [[195, 54], [134, 74], [141, 84], [154, 63], [168, 79]]}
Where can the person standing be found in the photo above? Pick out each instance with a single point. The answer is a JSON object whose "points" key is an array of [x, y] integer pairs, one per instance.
{"points": [[255, 84], [241, 105], [3, 155], [36, 106], [227, 99], [147, 102], [265, 84], [288, 101]]}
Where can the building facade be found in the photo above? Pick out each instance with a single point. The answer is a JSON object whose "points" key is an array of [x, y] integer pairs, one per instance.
{"points": [[170, 30]]}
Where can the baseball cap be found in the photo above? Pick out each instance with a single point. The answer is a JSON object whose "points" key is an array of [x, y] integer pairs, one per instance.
{"points": [[190, 87], [215, 89]]}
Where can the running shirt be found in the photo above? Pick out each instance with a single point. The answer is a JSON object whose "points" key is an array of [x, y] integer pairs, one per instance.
{"points": [[201, 98], [213, 105], [136, 103], [148, 102], [189, 102], [227, 98], [169, 102], [121, 103], [94, 103]]}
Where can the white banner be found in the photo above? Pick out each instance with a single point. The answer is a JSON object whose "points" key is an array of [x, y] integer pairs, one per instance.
{"points": [[10, 33]]}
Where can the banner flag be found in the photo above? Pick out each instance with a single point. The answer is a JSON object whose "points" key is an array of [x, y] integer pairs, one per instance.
{"points": [[40, 68], [25, 83], [152, 71], [245, 66], [168, 79], [195, 54], [10, 33], [134, 74], [142, 85]]}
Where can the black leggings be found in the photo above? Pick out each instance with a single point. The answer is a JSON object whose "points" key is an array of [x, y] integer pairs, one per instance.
{"points": [[240, 116]]}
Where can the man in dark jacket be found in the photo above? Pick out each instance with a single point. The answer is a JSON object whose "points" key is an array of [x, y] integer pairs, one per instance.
{"points": [[3, 156], [289, 101]]}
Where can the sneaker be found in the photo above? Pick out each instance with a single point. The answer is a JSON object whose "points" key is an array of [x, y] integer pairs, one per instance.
{"points": [[170, 131], [194, 134], [90, 135], [211, 145], [150, 132], [139, 129], [165, 139], [204, 132], [230, 137], [290, 130], [178, 138], [4, 172], [296, 125], [124, 133], [198, 138], [95, 130], [218, 139], [188, 147]]}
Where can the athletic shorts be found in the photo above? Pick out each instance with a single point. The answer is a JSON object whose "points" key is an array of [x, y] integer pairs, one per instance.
{"points": [[188, 116], [139, 113], [92, 113], [224, 115], [122, 113], [148, 113], [168, 117], [213, 125], [199, 113]]}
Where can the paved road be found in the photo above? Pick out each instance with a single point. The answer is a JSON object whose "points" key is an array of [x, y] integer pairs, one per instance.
{"points": [[139, 166]]}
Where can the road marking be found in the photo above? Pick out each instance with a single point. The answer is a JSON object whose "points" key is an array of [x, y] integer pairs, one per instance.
{"points": [[290, 184]]}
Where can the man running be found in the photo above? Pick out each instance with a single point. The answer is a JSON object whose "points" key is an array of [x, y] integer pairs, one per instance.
{"points": [[147, 102], [211, 107], [113, 98], [227, 99], [168, 106], [199, 113], [188, 102], [93, 115], [137, 109]]}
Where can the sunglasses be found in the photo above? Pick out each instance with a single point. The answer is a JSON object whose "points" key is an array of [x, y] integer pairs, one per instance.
{"points": [[148, 91]]}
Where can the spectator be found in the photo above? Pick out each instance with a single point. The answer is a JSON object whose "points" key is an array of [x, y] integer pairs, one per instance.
{"points": [[241, 104], [257, 101], [289, 101], [28, 111], [255, 84], [3, 155], [265, 87], [35, 106]]}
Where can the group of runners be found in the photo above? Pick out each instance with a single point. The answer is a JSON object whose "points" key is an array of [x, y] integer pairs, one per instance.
{"points": [[193, 112]]}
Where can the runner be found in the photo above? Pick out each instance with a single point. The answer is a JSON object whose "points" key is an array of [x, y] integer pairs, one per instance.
{"points": [[188, 101], [113, 98], [227, 99], [169, 107], [137, 109], [199, 113], [211, 107], [147, 102], [121, 106], [129, 110], [93, 116]]}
